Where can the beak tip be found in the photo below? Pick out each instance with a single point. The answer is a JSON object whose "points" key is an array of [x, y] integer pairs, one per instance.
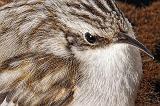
{"points": [[153, 57]]}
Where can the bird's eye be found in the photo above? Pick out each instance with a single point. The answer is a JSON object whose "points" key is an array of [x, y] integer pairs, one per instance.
{"points": [[90, 38]]}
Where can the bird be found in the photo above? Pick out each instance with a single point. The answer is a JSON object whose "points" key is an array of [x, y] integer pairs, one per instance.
{"points": [[68, 53]]}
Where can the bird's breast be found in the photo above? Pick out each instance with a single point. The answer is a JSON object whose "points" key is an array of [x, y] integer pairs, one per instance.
{"points": [[111, 77]]}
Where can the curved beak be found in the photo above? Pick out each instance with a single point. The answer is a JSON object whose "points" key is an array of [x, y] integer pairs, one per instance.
{"points": [[124, 38]]}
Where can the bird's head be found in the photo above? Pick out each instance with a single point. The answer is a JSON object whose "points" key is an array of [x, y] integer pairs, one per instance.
{"points": [[90, 25]]}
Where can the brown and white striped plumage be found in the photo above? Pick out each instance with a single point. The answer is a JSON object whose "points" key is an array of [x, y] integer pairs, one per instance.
{"points": [[39, 40]]}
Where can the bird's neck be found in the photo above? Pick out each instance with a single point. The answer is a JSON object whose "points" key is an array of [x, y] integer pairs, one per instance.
{"points": [[110, 79]]}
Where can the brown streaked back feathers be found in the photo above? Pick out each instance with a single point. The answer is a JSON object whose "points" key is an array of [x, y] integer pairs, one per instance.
{"points": [[42, 80]]}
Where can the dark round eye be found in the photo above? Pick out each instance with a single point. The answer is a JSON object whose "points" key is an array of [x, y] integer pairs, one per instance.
{"points": [[90, 38]]}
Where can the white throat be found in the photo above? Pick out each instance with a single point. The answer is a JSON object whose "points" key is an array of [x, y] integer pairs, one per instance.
{"points": [[111, 77]]}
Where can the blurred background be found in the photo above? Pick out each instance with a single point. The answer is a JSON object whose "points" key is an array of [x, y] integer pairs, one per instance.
{"points": [[145, 18]]}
